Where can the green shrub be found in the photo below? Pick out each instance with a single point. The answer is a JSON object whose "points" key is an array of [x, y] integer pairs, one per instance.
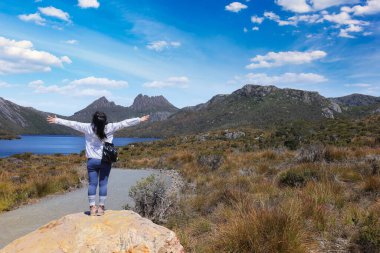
{"points": [[298, 177]]}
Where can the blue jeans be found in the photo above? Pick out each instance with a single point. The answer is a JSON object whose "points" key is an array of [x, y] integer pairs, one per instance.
{"points": [[98, 171]]}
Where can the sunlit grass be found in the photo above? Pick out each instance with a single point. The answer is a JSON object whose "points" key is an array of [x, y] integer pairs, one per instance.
{"points": [[26, 177]]}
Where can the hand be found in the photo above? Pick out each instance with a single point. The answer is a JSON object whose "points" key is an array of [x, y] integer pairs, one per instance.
{"points": [[52, 120], [144, 118]]}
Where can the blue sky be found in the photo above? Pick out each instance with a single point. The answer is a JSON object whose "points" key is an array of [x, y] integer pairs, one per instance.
{"points": [[59, 56]]}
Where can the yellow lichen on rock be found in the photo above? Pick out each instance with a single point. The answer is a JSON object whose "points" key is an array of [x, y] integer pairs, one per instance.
{"points": [[116, 232]]}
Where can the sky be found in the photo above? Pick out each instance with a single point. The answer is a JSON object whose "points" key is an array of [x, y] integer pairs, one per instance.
{"points": [[60, 55]]}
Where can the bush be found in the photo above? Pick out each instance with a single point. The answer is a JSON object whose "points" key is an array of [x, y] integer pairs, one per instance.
{"points": [[213, 162], [292, 144], [298, 177], [292, 179], [311, 153], [152, 199]]}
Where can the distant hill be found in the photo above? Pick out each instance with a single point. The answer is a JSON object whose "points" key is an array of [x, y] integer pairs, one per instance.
{"points": [[254, 105], [16, 119], [356, 100], [358, 105]]}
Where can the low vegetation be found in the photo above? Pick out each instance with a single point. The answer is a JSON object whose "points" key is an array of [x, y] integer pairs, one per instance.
{"points": [[27, 177], [252, 193], [7, 135], [153, 199]]}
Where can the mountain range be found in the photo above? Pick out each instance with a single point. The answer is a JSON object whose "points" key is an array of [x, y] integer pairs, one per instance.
{"points": [[252, 105], [16, 119]]}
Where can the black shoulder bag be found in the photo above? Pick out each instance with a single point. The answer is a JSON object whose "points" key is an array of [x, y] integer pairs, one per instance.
{"points": [[109, 153]]}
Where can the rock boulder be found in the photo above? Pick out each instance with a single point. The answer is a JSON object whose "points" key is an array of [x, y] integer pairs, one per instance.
{"points": [[116, 232]]}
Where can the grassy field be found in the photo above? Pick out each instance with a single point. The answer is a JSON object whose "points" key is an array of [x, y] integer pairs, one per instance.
{"points": [[25, 178], [250, 193]]}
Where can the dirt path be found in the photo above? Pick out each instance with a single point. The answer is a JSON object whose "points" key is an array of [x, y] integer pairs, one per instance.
{"points": [[21, 221]]}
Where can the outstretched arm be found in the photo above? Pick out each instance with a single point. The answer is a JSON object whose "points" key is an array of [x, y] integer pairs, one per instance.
{"points": [[113, 127], [81, 127]]}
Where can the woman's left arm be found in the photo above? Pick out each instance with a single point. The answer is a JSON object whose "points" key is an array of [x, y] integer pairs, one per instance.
{"points": [[113, 127]]}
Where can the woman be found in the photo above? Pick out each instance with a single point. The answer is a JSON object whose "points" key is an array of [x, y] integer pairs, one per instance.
{"points": [[96, 133]]}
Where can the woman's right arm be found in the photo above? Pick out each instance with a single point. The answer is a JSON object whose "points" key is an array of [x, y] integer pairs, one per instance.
{"points": [[81, 127]]}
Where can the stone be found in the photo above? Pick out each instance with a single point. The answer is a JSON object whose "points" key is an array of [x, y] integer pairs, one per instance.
{"points": [[233, 135], [115, 232]]}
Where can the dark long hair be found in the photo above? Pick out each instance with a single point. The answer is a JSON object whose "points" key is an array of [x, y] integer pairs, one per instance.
{"points": [[99, 121]]}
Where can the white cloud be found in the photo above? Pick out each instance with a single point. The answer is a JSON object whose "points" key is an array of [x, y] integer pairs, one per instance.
{"points": [[54, 12], [79, 87], [359, 85], [294, 20], [274, 17], [180, 81], [36, 83], [161, 45], [255, 28], [343, 18], [324, 4], [345, 22], [175, 44], [299, 6], [88, 4], [367, 33], [4, 84], [96, 81], [303, 6], [271, 15], [370, 8], [273, 59], [257, 20], [35, 18], [351, 28], [20, 57], [245, 29], [236, 7], [287, 78], [66, 59], [314, 18], [71, 42]]}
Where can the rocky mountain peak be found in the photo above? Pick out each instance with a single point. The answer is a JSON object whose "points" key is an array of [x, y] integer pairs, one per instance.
{"points": [[147, 103], [251, 90], [102, 102]]}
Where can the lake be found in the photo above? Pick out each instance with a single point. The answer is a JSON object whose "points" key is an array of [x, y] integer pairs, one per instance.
{"points": [[53, 144]]}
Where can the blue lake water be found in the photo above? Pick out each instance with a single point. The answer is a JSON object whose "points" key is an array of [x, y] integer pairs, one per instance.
{"points": [[53, 144]]}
